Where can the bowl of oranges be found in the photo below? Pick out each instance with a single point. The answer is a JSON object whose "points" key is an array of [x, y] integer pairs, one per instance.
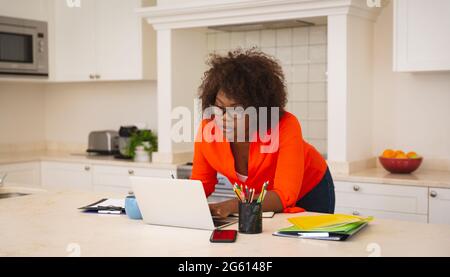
{"points": [[397, 161]]}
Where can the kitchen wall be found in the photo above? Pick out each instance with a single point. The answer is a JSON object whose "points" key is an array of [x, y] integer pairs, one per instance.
{"points": [[73, 110], [302, 52], [62, 115], [22, 119], [411, 110]]}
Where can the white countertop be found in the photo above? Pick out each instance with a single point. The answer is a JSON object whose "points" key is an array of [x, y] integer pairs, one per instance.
{"points": [[421, 177], [48, 224], [20, 157]]}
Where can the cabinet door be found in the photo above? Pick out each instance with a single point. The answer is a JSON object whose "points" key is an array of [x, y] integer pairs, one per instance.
{"points": [[22, 174], [118, 40], [439, 206], [421, 35], [112, 178], [36, 9], [383, 201], [74, 41], [66, 175], [381, 197]]}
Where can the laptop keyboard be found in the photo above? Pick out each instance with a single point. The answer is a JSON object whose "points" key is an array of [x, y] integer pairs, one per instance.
{"points": [[218, 222]]}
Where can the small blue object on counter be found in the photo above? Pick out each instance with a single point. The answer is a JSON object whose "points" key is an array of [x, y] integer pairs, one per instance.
{"points": [[132, 208]]}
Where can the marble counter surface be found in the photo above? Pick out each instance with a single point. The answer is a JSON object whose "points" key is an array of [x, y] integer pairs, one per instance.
{"points": [[47, 223], [9, 158], [423, 178]]}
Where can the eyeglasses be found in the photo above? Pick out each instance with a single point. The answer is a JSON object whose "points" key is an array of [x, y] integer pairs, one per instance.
{"points": [[231, 112]]}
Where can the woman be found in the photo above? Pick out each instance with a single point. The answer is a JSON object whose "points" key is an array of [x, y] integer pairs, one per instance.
{"points": [[298, 175]]}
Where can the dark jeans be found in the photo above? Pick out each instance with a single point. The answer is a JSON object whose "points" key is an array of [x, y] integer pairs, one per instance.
{"points": [[321, 198]]}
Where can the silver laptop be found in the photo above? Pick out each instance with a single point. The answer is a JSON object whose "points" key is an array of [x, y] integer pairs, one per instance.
{"points": [[175, 202]]}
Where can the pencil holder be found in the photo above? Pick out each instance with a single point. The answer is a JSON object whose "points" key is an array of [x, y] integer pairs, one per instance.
{"points": [[250, 218]]}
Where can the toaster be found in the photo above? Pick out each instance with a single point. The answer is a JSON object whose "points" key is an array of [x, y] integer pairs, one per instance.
{"points": [[103, 142]]}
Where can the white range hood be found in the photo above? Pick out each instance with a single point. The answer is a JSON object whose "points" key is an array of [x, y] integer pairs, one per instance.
{"points": [[191, 14], [181, 56]]}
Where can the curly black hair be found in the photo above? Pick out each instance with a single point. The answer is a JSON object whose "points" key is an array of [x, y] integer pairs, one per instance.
{"points": [[249, 77]]}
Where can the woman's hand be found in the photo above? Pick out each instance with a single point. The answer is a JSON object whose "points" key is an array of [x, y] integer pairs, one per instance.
{"points": [[224, 209]]}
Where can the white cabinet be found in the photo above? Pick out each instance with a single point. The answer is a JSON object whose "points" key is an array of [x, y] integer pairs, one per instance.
{"points": [[119, 45], [383, 201], [421, 35], [116, 178], [35, 9], [75, 176], [101, 40], [102, 178], [22, 174], [73, 44], [439, 205]]}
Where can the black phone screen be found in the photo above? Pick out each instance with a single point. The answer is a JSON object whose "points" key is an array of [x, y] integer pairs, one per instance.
{"points": [[223, 236]]}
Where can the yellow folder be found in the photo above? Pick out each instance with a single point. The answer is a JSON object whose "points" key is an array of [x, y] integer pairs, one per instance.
{"points": [[322, 221]]}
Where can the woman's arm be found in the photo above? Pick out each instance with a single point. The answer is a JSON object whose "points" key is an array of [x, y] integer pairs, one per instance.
{"points": [[272, 203], [201, 169], [289, 172]]}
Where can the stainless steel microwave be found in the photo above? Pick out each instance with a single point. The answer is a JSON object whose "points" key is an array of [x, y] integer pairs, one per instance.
{"points": [[23, 47]]}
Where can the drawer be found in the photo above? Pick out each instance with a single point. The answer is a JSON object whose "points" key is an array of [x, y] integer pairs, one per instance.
{"points": [[66, 175], [383, 198], [383, 214], [118, 176]]}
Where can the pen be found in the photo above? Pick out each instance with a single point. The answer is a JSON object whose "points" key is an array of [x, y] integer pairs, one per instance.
{"points": [[247, 193], [313, 235], [262, 194], [244, 197], [239, 193], [236, 192], [265, 191], [109, 212]]}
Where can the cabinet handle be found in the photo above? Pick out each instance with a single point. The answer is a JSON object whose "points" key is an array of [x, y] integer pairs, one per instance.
{"points": [[356, 188], [355, 213], [433, 193], [87, 168], [131, 171], [2, 180], [91, 76]]}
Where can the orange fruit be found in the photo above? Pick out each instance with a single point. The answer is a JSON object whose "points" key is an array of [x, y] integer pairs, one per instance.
{"points": [[401, 155], [388, 153], [412, 155]]}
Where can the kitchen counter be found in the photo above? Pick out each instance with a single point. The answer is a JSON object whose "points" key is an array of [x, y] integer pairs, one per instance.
{"points": [[8, 158], [422, 178], [47, 223]]}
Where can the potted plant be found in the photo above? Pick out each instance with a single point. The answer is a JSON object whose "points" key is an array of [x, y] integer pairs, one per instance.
{"points": [[142, 144]]}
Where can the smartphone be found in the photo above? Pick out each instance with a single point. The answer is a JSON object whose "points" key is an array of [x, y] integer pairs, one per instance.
{"points": [[223, 236]]}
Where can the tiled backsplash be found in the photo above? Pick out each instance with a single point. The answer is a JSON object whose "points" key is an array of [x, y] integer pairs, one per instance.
{"points": [[302, 53]]}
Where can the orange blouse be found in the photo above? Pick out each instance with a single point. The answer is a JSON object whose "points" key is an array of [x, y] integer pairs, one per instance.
{"points": [[293, 170]]}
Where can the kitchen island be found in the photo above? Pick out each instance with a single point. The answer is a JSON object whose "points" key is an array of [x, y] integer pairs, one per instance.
{"points": [[48, 223]]}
